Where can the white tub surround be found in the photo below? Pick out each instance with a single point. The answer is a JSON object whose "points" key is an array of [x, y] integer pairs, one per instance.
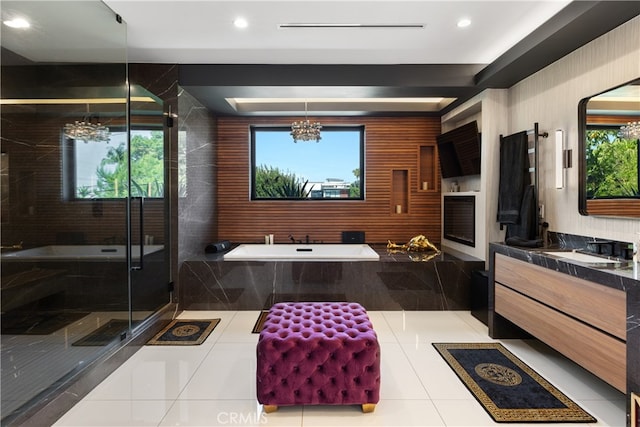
{"points": [[301, 252]]}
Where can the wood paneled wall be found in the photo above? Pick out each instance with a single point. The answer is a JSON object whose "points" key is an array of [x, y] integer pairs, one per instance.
{"points": [[392, 143]]}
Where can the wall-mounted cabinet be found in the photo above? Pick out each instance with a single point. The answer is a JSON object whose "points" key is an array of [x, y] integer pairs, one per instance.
{"points": [[399, 191], [427, 168]]}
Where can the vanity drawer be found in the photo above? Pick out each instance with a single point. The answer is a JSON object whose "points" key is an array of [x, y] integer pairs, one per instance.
{"points": [[600, 306], [596, 351]]}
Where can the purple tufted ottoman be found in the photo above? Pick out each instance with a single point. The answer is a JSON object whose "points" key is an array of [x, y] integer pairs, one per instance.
{"points": [[318, 354]]}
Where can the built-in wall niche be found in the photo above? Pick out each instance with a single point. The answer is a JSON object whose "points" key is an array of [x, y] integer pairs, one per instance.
{"points": [[427, 168], [399, 191]]}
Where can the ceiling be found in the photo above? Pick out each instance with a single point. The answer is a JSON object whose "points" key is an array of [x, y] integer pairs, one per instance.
{"points": [[354, 51]]}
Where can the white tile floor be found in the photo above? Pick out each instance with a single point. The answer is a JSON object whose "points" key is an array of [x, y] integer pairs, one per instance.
{"points": [[214, 384]]}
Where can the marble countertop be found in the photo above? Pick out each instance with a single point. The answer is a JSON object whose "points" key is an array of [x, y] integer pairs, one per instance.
{"points": [[621, 275]]}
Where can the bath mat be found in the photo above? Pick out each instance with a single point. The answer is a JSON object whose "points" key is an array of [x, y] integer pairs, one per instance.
{"points": [[37, 323], [507, 388], [105, 334], [260, 322], [184, 332], [302, 297]]}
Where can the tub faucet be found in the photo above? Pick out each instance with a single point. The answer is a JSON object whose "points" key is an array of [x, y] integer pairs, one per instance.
{"points": [[18, 246]]}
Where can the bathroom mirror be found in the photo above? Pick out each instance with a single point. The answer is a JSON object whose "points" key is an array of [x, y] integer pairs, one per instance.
{"points": [[609, 150]]}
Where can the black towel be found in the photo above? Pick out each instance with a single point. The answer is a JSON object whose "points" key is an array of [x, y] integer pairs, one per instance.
{"points": [[514, 176], [525, 233]]}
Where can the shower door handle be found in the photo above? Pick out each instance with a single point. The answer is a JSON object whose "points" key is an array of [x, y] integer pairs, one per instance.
{"points": [[140, 265]]}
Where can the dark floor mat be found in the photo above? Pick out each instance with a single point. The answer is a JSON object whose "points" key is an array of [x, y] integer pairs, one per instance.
{"points": [[185, 332], [302, 297], [104, 334], [402, 281], [509, 389], [257, 328], [38, 323]]}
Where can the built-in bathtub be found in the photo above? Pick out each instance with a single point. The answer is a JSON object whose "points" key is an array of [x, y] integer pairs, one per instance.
{"points": [[79, 252], [85, 277], [389, 281], [302, 252]]}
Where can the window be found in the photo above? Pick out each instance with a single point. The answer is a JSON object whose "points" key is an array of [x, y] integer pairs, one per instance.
{"points": [[98, 170], [330, 169], [612, 164]]}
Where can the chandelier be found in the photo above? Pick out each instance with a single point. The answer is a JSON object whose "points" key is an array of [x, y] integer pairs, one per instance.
{"points": [[630, 131], [305, 130], [86, 131]]}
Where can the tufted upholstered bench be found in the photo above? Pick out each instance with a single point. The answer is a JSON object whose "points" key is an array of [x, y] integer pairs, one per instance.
{"points": [[318, 354]]}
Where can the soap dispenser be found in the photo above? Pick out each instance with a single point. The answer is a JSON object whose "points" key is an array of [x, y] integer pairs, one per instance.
{"points": [[636, 248]]}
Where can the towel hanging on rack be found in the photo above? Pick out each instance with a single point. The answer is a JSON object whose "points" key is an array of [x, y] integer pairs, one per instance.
{"points": [[525, 232], [514, 176]]}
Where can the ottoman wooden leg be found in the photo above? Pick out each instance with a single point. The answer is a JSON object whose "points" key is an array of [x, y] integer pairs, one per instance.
{"points": [[270, 408], [368, 407]]}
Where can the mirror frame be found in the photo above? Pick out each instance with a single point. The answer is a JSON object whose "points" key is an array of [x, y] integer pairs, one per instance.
{"points": [[604, 207]]}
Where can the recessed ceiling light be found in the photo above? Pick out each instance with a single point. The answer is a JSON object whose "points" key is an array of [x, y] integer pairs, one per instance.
{"points": [[17, 23], [464, 22], [240, 23]]}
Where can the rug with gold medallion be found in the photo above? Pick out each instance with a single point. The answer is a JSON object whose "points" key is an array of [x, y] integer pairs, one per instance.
{"points": [[508, 389], [184, 332]]}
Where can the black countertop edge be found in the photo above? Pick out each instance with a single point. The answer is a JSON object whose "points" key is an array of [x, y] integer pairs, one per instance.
{"points": [[623, 277]]}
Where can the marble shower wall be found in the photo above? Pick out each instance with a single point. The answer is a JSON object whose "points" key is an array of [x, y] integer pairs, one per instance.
{"points": [[196, 178]]}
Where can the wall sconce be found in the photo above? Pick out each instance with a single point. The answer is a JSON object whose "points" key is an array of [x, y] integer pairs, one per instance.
{"points": [[563, 159]]}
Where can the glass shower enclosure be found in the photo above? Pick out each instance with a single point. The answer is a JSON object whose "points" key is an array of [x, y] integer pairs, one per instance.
{"points": [[83, 180]]}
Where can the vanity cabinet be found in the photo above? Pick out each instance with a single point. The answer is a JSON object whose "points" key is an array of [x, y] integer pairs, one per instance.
{"points": [[584, 321]]}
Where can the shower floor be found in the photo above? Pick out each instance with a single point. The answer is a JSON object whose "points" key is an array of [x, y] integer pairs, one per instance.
{"points": [[32, 363]]}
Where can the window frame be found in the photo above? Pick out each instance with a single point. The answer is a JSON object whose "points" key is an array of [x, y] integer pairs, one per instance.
{"points": [[253, 129], [70, 181]]}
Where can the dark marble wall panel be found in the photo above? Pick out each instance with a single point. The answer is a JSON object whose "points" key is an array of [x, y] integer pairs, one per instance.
{"points": [[443, 283], [197, 158]]}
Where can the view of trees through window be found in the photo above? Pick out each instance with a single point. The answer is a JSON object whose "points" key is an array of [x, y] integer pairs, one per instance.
{"points": [[329, 169], [612, 164], [101, 167]]}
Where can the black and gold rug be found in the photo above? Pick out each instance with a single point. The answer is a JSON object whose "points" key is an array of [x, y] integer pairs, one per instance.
{"points": [[260, 322], [275, 298], [507, 388], [184, 332]]}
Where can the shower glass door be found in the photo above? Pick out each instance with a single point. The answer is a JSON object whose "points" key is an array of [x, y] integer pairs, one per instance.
{"points": [[149, 204], [73, 284]]}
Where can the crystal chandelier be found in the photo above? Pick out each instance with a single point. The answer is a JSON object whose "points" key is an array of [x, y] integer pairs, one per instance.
{"points": [[630, 131], [305, 130], [87, 131]]}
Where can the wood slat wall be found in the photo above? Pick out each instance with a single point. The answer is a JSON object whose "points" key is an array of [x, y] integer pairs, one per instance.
{"points": [[391, 144], [37, 209]]}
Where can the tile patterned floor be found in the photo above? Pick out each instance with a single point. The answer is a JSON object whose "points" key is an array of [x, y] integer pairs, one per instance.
{"points": [[214, 384]]}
